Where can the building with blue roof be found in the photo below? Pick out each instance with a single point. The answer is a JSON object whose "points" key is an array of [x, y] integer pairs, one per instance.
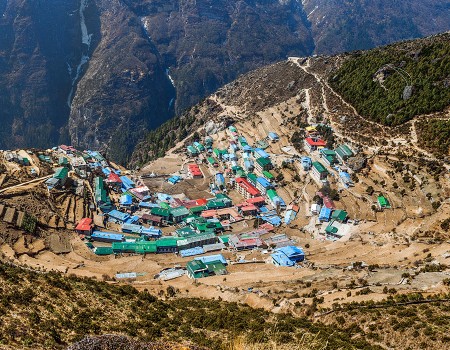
{"points": [[118, 216], [148, 205], [220, 180], [280, 259], [273, 136], [325, 214], [248, 165], [174, 179], [274, 220], [294, 253], [345, 178], [288, 256], [108, 237], [126, 200], [260, 153], [132, 219], [306, 163], [262, 184], [127, 183], [289, 216], [150, 232], [191, 252], [210, 258], [131, 228], [163, 197]]}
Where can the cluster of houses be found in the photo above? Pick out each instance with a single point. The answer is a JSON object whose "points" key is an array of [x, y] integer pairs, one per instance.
{"points": [[242, 167], [13, 156], [198, 224], [83, 163], [334, 159]]}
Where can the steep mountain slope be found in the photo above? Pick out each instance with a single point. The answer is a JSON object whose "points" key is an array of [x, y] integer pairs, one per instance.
{"points": [[361, 94], [209, 43], [339, 25], [124, 90], [101, 73], [37, 41]]}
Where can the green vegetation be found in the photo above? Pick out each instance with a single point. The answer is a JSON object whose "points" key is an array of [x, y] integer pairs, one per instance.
{"points": [[159, 141], [435, 135], [29, 223], [49, 311], [374, 81]]}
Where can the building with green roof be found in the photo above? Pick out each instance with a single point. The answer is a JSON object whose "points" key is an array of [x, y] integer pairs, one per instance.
{"points": [[63, 161], [179, 213], [197, 269], [185, 231], [101, 196], [343, 152], [328, 156], [61, 174], [216, 268], [204, 227], [196, 241], [192, 151], [319, 171], [339, 215], [167, 245], [263, 164], [268, 175], [383, 202], [212, 161], [251, 177], [331, 230], [146, 247], [124, 247], [161, 212], [197, 209], [218, 203], [103, 251]]}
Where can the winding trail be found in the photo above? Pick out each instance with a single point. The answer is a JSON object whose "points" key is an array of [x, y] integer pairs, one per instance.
{"points": [[411, 142]]}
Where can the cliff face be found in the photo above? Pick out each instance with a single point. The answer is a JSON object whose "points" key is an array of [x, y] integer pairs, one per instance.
{"points": [[339, 26], [36, 46], [206, 44], [124, 90]]}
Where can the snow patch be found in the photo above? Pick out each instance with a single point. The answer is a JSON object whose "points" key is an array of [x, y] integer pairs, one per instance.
{"points": [[171, 102], [169, 76], [144, 22], [86, 40], [315, 8], [85, 36]]}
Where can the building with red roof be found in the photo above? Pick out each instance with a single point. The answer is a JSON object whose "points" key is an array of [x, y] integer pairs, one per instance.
{"points": [[85, 227], [195, 171], [201, 201], [113, 180], [313, 144], [257, 201], [246, 189]]}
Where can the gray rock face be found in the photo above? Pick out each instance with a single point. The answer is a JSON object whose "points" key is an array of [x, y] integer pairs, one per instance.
{"points": [[407, 92]]}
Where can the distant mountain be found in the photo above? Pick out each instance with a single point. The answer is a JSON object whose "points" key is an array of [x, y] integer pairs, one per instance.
{"points": [[100, 73]]}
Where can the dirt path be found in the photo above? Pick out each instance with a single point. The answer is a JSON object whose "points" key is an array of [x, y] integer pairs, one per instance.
{"points": [[34, 181]]}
